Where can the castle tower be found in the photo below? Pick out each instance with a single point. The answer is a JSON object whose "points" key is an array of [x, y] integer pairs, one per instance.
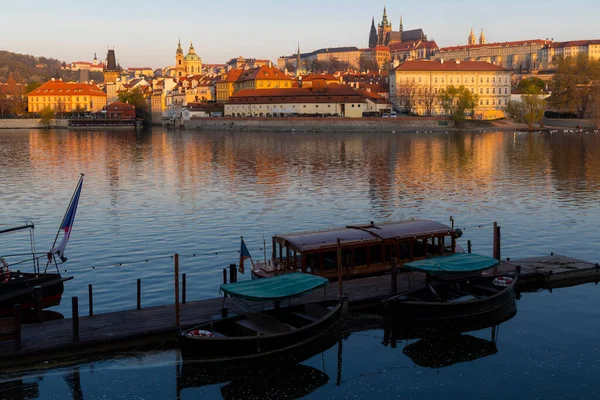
{"points": [[373, 35], [179, 66], [482, 38], [95, 62], [298, 62], [385, 28], [111, 70], [472, 39], [192, 62]]}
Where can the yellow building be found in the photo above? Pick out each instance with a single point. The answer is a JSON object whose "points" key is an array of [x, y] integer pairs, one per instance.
{"points": [[190, 64], [554, 50], [225, 86], [66, 97], [423, 81], [265, 77]]}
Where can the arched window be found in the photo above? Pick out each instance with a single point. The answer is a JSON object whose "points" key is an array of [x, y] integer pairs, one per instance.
{"points": [[179, 62]]}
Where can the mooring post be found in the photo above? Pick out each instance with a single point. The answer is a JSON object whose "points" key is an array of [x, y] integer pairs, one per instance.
{"points": [[495, 251], [91, 302], [17, 314], [339, 267], [469, 247], [394, 276], [498, 246], [176, 258], [75, 308], [39, 308], [139, 294], [232, 273], [225, 276], [183, 285]]}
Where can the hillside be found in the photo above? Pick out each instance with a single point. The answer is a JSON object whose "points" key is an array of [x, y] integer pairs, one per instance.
{"points": [[27, 68]]}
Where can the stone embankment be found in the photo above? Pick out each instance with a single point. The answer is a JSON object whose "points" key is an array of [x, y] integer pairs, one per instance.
{"points": [[301, 124], [31, 124]]}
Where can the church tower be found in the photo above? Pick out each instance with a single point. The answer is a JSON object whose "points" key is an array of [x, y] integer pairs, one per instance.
{"points": [[179, 67], [298, 62], [401, 26], [192, 62], [482, 38], [111, 70], [385, 28], [373, 35], [472, 40]]}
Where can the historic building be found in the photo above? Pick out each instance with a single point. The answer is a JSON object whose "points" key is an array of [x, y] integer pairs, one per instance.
{"points": [[423, 81], [553, 50], [190, 64], [66, 97], [384, 35], [225, 85], [349, 55], [265, 77], [517, 55]]}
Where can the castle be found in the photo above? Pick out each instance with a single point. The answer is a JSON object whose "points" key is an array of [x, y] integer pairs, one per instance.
{"points": [[384, 35]]}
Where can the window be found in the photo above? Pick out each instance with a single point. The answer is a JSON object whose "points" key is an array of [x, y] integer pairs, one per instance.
{"points": [[487, 90], [494, 90], [494, 101], [487, 102], [488, 79], [480, 90], [505, 90]]}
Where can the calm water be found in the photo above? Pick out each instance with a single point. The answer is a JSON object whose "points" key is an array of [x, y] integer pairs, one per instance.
{"points": [[149, 195]]}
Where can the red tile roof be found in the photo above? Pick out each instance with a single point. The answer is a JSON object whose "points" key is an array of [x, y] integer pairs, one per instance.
{"points": [[574, 43], [497, 44], [120, 106], [436, 65], [330, 94], [59, 88], [263, 73]]}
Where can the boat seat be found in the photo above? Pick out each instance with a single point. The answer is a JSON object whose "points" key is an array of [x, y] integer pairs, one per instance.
{"points": [[487, 288], [263, 324], [308, 317]]}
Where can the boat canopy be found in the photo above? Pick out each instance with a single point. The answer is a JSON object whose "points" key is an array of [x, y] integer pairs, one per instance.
{"points": [[352, 234], [279, 287], [462, 262]]}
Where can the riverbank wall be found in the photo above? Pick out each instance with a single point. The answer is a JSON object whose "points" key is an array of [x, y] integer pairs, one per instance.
{"points": [[32, 124], [302, 124]]}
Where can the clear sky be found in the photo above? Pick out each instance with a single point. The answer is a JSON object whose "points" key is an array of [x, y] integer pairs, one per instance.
{"points": [[145, 33]]}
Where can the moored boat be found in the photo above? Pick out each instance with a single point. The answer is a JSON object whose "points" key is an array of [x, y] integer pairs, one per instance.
{"points": [[365, 249], [267, 333], [462, 299]]}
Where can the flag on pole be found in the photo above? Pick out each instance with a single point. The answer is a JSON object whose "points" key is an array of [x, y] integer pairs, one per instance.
{"points": [[67, 224], [244, 254]]}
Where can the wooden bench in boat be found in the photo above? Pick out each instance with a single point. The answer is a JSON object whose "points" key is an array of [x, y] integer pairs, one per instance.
{"points": [[312, 312], [263, 324]]}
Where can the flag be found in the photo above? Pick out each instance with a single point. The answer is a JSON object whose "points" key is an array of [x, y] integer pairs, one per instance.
{"points": [[244, 254], [67, 224]]}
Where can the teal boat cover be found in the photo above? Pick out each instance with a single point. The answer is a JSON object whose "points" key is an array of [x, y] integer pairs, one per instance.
{"points": [[460, 262], [278, 287]]}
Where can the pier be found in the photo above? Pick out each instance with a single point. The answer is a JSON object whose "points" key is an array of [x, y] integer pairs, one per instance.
{"points": [[83, 336]]}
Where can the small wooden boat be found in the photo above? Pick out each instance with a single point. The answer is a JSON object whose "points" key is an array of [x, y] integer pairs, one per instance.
{"points": [[365, 249], [454, 299], [267, 333]]}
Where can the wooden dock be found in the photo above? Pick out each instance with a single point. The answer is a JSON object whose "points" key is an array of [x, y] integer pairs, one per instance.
{"points": [[152, 326]]}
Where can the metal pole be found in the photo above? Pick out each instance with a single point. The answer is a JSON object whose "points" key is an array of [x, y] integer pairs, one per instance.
{"points": [[75, 308], [176, 257], [90, 293]]}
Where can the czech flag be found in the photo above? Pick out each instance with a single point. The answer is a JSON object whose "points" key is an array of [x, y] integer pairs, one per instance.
{"points": [[244, 254], [67, 224]]}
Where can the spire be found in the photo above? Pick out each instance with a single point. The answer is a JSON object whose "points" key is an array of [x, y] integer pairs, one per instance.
{"points": [[401, 24], [482, 38], [191, 50], [179, 49], [472, 39], [384, 21], [373, 35], [298, 62]]}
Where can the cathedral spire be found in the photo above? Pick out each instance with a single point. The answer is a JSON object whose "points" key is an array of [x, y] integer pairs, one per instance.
{"points": [[385, 21], [401, 24], [373, 35], [472, 39], [482, 38], [298, 62], [179, 49]]}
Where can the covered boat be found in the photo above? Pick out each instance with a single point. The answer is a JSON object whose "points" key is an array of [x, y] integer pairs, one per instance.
{"points": [[469, 297], [365, 249], [267, 333]]}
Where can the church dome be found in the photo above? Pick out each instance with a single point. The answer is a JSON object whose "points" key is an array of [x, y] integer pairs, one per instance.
{"points": [[192, 57]]}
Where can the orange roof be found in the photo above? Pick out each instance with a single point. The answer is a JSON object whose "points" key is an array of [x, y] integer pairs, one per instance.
{"points": [[263, 73], [497, 44], [573, 43], [233, 75], [436, 65], [330, 94], [60, 88], [328, 77], [119, 105]]}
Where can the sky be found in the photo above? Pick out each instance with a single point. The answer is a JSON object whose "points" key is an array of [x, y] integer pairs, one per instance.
{"points": [[145, 34]]}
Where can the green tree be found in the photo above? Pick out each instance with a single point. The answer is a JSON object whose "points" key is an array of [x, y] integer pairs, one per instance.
{"points": [[47, 115], [30, 87], [526, 83], [531, 107], [136, 98], [459, 102], [572, 83]]}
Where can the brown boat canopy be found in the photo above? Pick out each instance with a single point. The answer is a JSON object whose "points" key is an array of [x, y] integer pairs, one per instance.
{"points": [[305, 241]]}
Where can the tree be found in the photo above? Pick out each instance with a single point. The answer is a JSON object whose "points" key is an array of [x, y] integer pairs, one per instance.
{"points": [[367, 63], [430, 100], [32, 86], [595, 103], [136, 98], [47, 115], [571, 84], [458, 101], [290, 67], [531, 107], [405, 95], [526, 83]]}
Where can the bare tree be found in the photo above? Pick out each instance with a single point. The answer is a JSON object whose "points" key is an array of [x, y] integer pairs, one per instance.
{"points": [[595, 103], [430, 100], [406, 94]]}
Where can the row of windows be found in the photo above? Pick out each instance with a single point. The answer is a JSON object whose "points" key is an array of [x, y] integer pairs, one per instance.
{"points": [[458, 80], [481, 90], [43, 99]]}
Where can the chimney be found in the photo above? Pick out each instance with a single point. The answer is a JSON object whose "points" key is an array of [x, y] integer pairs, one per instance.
{"points": [[457, 61]]}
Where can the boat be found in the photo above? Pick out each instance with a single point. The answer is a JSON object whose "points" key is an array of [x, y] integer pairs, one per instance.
{"points": [[365, 249], [269, 333], [18, 287], [466, 298]]}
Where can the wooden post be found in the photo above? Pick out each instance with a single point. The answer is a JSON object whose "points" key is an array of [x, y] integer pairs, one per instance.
{"points": [[498, 247], [394, 276], [232, 273], [17, 314], [91, 296], [496, 242], [75, 312], [176, 258], [225, 276], [39, 307], [469, 246], [139, 294], [183, 285], [339, 267], [339, 363]]}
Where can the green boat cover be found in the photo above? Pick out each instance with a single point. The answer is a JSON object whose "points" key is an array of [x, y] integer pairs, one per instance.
{"points": [[278, 287], [460, 262]]}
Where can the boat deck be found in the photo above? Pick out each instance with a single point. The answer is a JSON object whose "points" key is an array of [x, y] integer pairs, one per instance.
{"points": [[134, 329]]}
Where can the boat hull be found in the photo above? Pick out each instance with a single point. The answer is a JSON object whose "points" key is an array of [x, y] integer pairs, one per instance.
{"points": [[19, 290], [215, 349]]}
